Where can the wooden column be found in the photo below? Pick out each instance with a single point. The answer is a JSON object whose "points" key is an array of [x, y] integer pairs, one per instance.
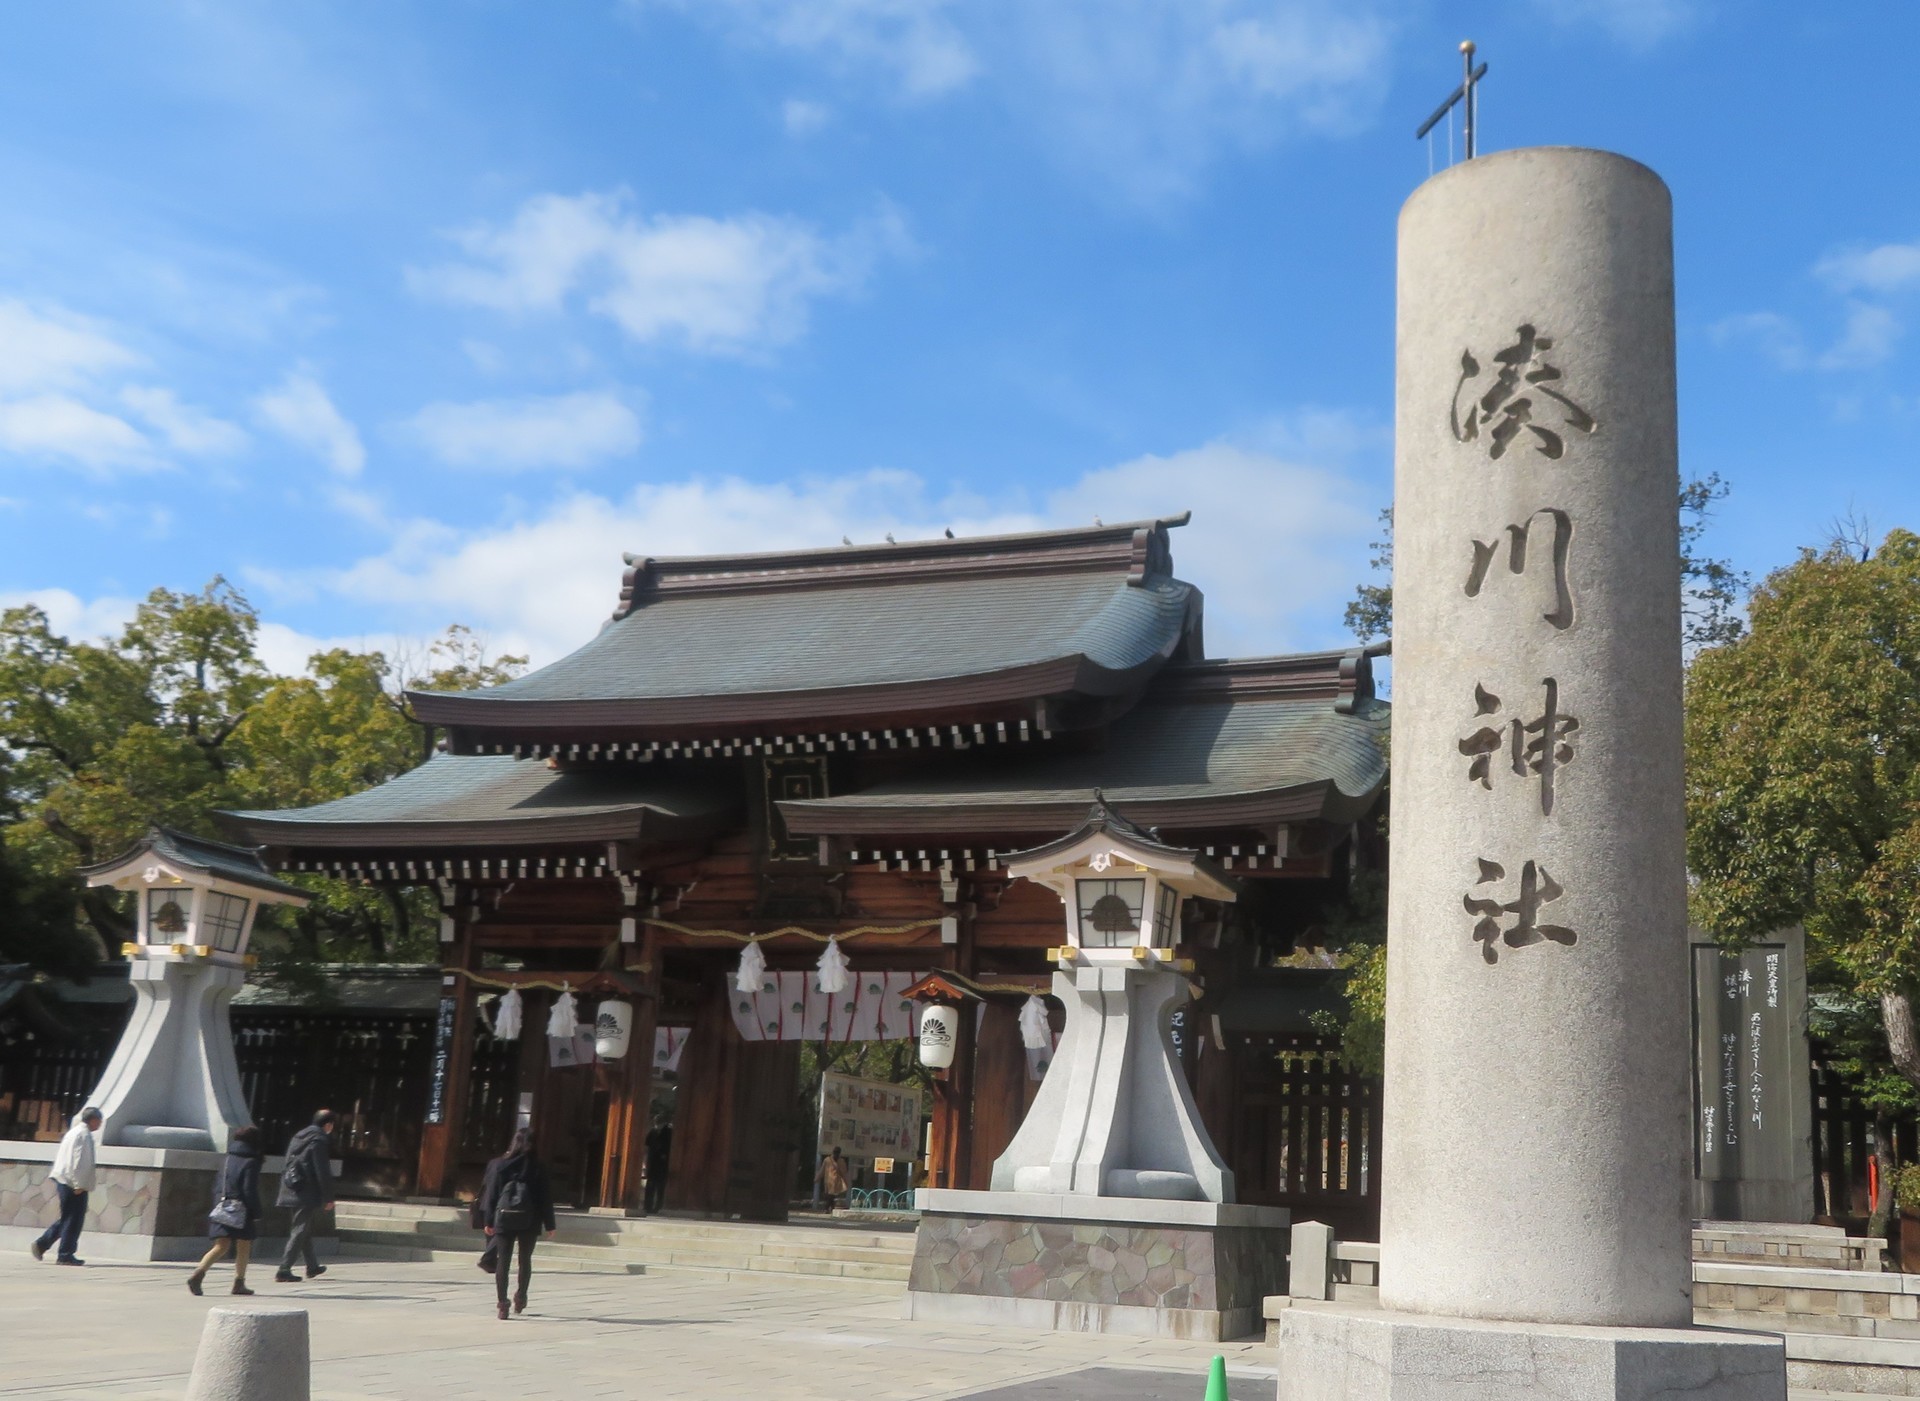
{"points": [[452, 1067], [632, 1100], [703, 1118], [1001, 1090]]}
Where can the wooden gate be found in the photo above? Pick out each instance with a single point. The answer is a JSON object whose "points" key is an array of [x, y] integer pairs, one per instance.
{"points": [[1297, 1127]]}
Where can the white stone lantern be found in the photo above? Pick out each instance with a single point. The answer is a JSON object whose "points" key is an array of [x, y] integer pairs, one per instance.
{"points": [[173, 1082], [1114, 1117]]}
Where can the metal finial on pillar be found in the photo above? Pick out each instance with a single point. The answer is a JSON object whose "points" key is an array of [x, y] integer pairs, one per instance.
{"points": [[1464, 94]]}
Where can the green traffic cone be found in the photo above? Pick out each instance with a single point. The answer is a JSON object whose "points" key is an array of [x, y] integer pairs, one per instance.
{"points": [[1217, 1380]]}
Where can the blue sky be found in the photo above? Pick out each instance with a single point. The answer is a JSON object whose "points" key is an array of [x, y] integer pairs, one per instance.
{"points": [[406, 314]]}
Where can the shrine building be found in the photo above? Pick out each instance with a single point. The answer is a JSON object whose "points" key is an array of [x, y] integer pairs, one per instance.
{"points": [[847, 743]]}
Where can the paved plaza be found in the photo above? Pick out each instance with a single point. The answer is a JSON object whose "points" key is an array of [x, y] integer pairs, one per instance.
{"points": [[405, 1330]]}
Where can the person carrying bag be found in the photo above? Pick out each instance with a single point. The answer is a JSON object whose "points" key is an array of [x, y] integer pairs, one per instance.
{"points": [[514, 1204], [236, 1210]]}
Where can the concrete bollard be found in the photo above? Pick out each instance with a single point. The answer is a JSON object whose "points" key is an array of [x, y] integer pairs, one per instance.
{"points": [[1310, 1261], [252, 1355]]}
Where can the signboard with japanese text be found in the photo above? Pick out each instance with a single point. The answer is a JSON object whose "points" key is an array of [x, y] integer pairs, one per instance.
{"points": [[1744, 1063], [867, 1119], [442, 1061]]}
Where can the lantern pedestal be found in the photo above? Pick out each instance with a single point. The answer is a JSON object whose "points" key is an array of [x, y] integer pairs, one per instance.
{"points": [[173, 1082], [1114, 1116], [1086, 1264]]}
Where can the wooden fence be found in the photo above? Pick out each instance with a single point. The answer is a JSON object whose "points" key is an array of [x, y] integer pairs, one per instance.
{"points": [[1843, 1144], [1298, 1128]]}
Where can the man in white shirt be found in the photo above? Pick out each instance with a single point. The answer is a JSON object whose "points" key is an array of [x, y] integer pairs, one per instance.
{"points": [[72, 1175]]}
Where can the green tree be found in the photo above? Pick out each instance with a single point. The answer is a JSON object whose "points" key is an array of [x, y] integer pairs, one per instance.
{"points": [[169, 723], [1803, 775]]}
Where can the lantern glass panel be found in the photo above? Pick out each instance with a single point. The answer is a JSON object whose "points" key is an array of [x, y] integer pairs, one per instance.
{"points": [[167, 914], [1110, 912], [1166, 918], [221, 921]]}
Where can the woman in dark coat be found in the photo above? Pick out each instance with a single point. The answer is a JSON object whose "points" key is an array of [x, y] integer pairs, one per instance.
{"points": [[239, 1178], [515, 1202]]}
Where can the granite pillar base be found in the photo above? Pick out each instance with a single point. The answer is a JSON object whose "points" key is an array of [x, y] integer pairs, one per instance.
{"points": [[1074, 1263], [147, 1203], [1339, 1352]]}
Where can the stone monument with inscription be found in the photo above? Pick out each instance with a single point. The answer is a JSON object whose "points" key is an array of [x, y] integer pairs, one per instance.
{"points": [[1536, 1174]]}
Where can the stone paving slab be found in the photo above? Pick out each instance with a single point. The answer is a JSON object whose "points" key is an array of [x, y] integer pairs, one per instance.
{"points": [[406, 1331]]}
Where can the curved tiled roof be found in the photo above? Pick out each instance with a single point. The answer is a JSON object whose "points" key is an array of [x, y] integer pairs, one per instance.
{"points": [[860, 630], [1191, 754], [483, 799]]}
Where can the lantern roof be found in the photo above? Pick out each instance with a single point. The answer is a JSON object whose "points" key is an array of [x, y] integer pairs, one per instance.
{"points": [[1106, 830], [194, 861]]}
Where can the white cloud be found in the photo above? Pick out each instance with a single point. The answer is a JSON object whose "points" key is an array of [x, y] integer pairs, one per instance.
{"points": [[1869, 338], [53, 348], [803, 118], [719, 286], [1891, 267], [60, 426], [1137, 97], [186, 429], [559, 431], [1776, 336], [916, 43], [1637, 23], [69, 615], [301, 411], [543, 583]]}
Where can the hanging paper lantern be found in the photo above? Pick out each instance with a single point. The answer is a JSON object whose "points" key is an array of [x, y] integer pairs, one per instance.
{"points": [[506, 1017], [753, 968], [939, 1035], [834, 968], [1036, 1033], [612, 1029], [565, 1015]]}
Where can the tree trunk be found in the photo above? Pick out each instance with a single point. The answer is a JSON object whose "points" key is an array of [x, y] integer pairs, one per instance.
{"points": [[1903, 1044], [1883, 1160]]}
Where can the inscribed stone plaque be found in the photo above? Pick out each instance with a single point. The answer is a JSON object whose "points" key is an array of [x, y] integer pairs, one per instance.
{"points": [[1743, 1064]]}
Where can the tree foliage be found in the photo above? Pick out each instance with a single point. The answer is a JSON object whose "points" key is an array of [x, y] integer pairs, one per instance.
{"points": [[1803, 779], [174, 720]]}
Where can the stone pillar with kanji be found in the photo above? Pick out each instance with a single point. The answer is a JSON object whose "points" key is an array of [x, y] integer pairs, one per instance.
{"points": [[1536, 1175]]}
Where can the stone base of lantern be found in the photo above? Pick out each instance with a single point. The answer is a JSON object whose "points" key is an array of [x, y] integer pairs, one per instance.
{"points": [[146, 1204], [1084, 1264], [1340, 1352]]}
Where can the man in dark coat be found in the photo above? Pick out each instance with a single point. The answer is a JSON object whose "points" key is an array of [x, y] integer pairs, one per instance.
{"points": [[659, 1154], [306, 1185]]}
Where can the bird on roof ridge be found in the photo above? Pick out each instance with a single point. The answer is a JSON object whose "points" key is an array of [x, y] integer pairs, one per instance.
{"points": [[1098, 521], [949, 532], [846, 539], [890, 539]]}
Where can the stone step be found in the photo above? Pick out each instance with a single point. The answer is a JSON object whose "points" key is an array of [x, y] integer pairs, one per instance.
{"points": [[800, 1239], [604, 1262], [613, 1247]]}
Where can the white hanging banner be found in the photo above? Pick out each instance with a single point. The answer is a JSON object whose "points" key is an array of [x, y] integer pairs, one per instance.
{"points": [[506, 1017]]}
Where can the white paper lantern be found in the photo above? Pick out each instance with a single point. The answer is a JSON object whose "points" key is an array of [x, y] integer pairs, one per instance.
{"points": [[939, 1036], [612, 1029]]}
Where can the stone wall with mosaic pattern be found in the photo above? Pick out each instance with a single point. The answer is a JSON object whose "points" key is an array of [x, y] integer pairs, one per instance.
{"points": [[130, 1201], [1163, 1267]]}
